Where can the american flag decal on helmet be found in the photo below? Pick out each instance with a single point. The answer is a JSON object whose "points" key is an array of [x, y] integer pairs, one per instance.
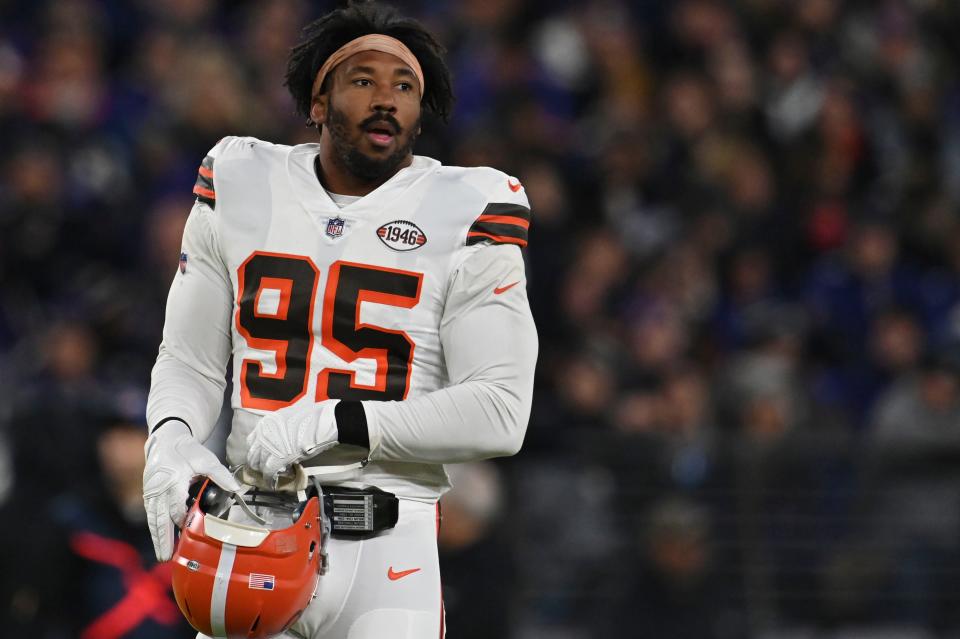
{"points": [[261, 582]]}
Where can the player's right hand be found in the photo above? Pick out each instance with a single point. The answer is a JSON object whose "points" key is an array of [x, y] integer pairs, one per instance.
{"points": [[174, 459]]}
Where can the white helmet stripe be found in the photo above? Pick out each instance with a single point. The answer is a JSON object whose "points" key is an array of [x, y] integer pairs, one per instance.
{"points": [[218, 602]]}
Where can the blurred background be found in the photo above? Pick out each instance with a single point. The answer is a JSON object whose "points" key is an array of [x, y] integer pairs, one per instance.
{"points": [[744, 265]]}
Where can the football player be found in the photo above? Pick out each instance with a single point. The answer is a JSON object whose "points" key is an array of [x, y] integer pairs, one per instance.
{"points": [[374, 304]]}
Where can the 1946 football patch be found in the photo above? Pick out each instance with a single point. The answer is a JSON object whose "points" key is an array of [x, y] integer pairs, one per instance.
{"points": [[401, 235]]}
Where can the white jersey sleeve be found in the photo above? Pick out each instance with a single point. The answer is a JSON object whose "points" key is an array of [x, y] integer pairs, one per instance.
{"points": [[489, 343], [188, 378]]}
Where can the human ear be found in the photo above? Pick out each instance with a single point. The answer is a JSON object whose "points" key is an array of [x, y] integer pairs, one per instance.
{"points": [[318, 110]]}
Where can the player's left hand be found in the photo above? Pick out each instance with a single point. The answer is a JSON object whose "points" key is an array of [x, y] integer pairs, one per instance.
{"points": [[290, 435]]}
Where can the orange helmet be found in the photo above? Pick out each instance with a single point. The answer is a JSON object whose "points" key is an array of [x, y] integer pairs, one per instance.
{"points": [[236, 580]]}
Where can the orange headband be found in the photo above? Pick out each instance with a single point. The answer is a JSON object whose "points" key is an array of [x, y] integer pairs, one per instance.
{"points": [[371, 42]]}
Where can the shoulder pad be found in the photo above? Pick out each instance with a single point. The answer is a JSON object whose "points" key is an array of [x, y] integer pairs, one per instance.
{"points": [[227, 148], [495, 185], [505, 217]]}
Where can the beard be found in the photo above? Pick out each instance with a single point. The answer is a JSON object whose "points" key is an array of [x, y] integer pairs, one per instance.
{"points": [[360, 165]]}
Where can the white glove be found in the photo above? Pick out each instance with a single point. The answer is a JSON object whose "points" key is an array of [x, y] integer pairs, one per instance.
{"points": [[174, 459], [290, 435]]}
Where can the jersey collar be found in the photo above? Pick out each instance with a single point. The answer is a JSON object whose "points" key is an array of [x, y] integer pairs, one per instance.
{"points": [[316, 200]]}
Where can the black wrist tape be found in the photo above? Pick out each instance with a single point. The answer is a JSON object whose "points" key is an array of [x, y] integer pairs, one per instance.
{"points": [[352, 424], [170, 419]]}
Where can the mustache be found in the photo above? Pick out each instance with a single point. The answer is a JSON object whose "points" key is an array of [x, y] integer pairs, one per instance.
{"points": [[382, 117]]}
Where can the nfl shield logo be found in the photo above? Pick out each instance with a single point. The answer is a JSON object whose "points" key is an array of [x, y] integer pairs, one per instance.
{"points": [[334, 227]]}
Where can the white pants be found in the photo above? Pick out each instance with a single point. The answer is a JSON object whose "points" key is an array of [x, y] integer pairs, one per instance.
{"points": [[387, 586]]}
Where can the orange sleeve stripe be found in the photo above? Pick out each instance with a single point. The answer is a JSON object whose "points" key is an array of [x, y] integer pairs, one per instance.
{"points": [[504, 219], [498, 238], [199, 190], [205, 172]]}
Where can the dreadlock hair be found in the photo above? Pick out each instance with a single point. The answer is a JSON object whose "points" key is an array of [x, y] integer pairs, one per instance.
{"points": [[321, 38]]}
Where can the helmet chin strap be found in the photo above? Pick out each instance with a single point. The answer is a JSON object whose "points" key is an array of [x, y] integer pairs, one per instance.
{"points": [[238, 499], [295, 481], [326, 471]]}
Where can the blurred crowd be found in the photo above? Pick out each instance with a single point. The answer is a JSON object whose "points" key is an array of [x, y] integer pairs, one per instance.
{"points": [[744, 265]]}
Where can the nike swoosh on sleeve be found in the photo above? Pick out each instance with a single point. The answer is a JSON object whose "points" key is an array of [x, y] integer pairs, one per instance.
{"points": [[504, 289]]}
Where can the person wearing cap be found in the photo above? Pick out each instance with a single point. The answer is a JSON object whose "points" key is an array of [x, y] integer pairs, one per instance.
{"points": [[373, 303]]}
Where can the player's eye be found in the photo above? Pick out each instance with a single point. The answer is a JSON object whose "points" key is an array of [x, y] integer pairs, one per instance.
{"points": [[405, 86], [362, 82]]}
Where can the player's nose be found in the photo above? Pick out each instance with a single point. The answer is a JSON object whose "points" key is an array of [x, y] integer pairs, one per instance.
{"points": [[383, 99]]}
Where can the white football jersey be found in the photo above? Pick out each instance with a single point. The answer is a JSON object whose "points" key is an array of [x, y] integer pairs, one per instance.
{"points": [[411, 299]]}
